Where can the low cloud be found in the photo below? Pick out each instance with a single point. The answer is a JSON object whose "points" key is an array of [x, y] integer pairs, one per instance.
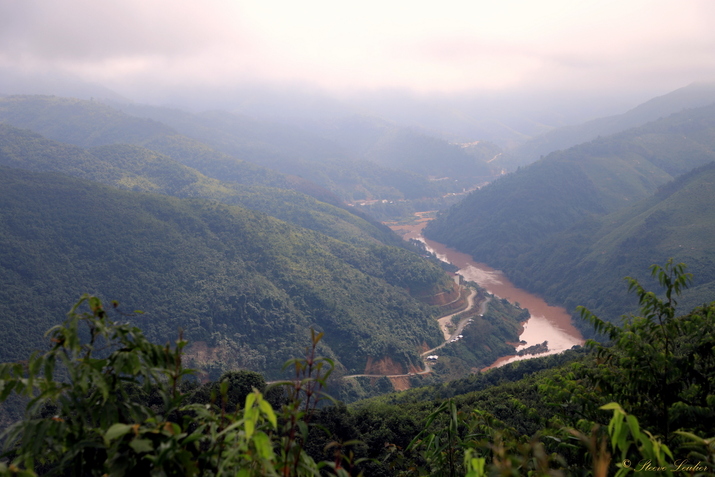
{"points": [[418, 46]]}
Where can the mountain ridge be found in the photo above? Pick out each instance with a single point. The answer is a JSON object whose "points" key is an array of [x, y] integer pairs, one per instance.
{"points": [[691, 96], [222, 273]]}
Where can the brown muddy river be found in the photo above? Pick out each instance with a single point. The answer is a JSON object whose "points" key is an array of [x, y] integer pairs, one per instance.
{"points": [[547, 323]]}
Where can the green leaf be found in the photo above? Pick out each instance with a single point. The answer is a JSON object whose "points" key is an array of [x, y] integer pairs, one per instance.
{"points": [[263, 445], [268, 411], [250, 399], [694, 438], [141, 445], [115, 431], [249, 426], [633, 425], [198, 434], [612, 406]]}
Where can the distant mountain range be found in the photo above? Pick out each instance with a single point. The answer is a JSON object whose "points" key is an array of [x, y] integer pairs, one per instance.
{"points": [[249, 151], [691, 96], [503, 119]]}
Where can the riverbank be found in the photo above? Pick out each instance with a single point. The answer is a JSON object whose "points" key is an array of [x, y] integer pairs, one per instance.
{"points": [[546, 323]]}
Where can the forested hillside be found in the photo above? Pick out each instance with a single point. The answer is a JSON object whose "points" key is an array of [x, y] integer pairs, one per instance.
{"points": [[139, 169], [692, 96], [516, 212], [244, 286], [223, 146], [326, 151], [570, 226], [591, 259], [399, 147], [641, 404], [92, 124]]}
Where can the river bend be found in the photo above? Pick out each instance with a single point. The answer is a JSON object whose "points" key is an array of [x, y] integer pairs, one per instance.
{"points": [[546, 323]]}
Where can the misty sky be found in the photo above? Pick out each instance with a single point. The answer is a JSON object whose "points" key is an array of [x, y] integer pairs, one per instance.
{"points": [[422, 46]]}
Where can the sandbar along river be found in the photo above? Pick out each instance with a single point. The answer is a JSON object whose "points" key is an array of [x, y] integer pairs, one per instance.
{"points": [[546, 323]]}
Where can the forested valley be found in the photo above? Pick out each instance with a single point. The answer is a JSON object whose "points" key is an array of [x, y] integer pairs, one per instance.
{"points": [[641, 404], [240, 308], [572, 225], [243, 259]]}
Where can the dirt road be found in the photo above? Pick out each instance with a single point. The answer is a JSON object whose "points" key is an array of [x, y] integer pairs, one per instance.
{"points": [[448, 337]]}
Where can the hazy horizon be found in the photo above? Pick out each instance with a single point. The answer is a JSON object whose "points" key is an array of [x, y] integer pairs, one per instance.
{"points": [[538, 65]]}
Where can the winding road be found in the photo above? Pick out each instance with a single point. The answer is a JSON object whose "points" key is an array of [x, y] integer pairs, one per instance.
{"points": [[443, 323]]}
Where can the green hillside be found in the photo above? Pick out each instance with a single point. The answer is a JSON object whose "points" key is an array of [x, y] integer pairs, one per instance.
{"points": [[222, 146], [140, 169], [644, 403], [261, 140], [330, 152], [357, 158], [586, 264], [515, 214], [358, 179], [91, 124], [394, 146], [245, 286], [692, 96]]}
